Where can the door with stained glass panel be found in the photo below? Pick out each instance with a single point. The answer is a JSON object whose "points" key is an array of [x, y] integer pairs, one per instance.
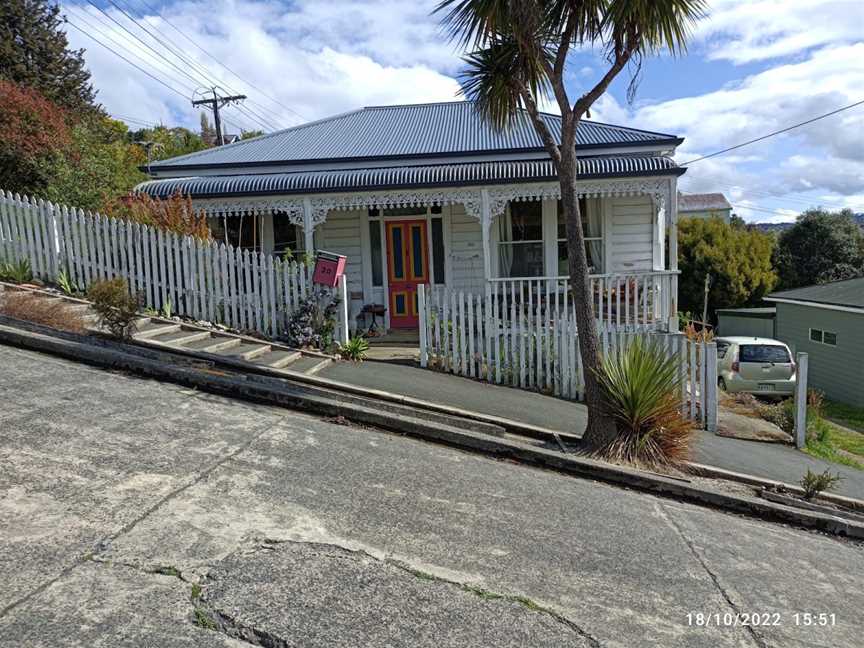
{"points": [[407, 268]]}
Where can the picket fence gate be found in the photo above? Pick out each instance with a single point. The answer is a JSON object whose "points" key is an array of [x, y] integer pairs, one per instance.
{"points": [[490, 338], [205, 280]]}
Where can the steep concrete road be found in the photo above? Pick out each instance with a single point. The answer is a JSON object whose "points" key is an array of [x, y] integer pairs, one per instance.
{"points": [[134, 513]]}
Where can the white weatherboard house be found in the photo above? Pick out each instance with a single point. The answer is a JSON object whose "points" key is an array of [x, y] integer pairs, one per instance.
{"points": [[431, 194]]}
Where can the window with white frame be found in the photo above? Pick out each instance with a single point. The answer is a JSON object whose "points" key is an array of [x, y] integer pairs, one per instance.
{"points": [[592, 231], [823, 337], [520, 240]]}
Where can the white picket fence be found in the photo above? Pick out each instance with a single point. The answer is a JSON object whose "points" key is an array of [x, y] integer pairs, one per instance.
{"points": [[206, 280], [491, 339]]}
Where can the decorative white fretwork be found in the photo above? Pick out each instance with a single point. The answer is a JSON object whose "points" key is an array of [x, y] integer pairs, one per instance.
{"points": [[470, 197]]}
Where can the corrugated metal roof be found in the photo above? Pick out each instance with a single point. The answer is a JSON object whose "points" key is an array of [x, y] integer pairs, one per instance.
{"points": [[702, 202], [849, 292], [413, 130], [472, 173]]}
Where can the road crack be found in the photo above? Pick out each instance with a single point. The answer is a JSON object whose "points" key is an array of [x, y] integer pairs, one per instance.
{"points": [[104, 542], [235, 628], [667, 515]]}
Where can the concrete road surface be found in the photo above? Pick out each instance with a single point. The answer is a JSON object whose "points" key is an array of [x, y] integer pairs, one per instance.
{"points": [[134, 513]]}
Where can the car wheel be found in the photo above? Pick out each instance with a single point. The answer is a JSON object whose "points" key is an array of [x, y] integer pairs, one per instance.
{"points": [[721, 384]]}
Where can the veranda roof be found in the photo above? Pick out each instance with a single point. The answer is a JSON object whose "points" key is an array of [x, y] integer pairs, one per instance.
{"points": [[439, 175], [408, 131]]}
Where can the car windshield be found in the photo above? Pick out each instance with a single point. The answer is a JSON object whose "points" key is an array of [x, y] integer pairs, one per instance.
{"points": [[764, 353]]}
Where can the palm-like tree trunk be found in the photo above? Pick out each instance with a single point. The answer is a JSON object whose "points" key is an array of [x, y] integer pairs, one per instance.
{"points": [[601, 429]]}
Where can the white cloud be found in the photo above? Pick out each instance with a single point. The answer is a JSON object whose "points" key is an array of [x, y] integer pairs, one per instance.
{"points": [[756, 30], [320, 58], [315, 58]]}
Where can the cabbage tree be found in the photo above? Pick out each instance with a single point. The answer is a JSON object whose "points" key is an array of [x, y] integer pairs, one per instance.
{"points": [[517, 55]]}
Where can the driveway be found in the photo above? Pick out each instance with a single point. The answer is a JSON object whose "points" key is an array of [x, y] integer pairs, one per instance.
{"points": [[769, 460], [136, 513]]}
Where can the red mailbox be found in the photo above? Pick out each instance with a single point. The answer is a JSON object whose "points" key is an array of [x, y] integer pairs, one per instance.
{"points": [[328, 268]]}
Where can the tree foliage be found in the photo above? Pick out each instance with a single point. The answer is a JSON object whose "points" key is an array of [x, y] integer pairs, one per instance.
{"points": [[99, 165], [35, 136], [737, 258], [820, 247], [170, 141], [34, 53], [175, 214]]}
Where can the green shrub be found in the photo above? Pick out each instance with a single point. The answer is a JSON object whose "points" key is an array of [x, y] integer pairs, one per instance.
{"points": [[641, 391], [815, 483], [116, 307], [314, 322], [16, 272], [66, 284], [781, 414], [355, 350]]}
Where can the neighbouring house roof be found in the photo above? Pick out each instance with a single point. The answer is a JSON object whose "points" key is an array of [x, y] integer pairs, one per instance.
{"points": [[702, 202], [473, 173], [409, 131], [756, 313], [845, 294]]}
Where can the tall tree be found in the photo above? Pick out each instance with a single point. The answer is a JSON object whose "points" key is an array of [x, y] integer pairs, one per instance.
{"points": [[737, 258], [35, 137], [518, 59], [34, 52], [208, 132], [820, 247]]}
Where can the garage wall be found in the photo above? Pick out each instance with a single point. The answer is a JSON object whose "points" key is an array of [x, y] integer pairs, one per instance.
{"points": [[836, 370]]}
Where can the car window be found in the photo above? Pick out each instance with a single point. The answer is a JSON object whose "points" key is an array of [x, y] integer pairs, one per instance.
{"points": [[763, 353], [722, 348]]}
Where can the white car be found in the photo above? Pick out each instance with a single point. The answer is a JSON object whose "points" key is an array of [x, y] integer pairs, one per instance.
{"points": [[755, 365]]}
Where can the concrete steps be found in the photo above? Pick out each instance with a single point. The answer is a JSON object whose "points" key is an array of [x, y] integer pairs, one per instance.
{"points": [[153, 331], [239, 350]]}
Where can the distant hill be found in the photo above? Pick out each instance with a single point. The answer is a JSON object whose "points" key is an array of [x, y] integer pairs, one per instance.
{"points": [[779, 227]]}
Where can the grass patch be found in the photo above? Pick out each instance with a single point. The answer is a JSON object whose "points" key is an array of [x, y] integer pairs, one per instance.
{"points": [[39, 309], [847, 415], [828, 442], [204, 620], [167, 570], [196, 591]]}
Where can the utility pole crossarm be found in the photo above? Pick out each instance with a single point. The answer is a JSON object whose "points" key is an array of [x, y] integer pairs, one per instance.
{"points": [[214, 104]]}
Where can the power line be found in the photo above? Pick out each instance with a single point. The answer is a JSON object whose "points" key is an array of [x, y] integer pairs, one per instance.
{"points": [[777, 132], [182, 56], [155, 53], [84, 17], [120, 56], [158, 55], [209, 55], [784, 198]]}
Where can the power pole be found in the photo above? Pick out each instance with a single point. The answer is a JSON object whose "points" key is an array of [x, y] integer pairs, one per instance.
{"points": [[215, 104], [148, 147]]}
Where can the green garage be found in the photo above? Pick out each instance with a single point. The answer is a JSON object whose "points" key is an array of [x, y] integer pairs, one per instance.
{"points": [[827, 322]]}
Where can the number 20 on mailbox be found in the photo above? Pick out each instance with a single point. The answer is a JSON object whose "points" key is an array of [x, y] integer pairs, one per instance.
{"points": [[328, 268]]}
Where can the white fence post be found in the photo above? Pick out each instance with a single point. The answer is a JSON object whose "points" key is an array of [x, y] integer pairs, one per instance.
{"points": [[343, 310], [424, 316], [710, 390], [801, 402]]}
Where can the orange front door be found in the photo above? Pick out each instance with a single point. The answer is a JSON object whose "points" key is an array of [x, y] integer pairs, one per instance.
{"points": [[407, 267]]}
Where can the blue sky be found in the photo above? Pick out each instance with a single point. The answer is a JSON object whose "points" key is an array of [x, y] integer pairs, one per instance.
{"points": [[752, 67]]}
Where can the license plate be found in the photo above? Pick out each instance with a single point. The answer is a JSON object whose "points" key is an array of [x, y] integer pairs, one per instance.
{"points": [[766, 387]]}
